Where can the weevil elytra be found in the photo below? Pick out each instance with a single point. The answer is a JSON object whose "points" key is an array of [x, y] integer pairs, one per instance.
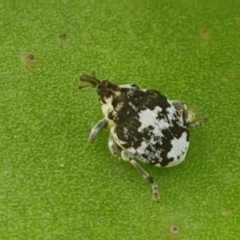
{"points": [[144, 125]]}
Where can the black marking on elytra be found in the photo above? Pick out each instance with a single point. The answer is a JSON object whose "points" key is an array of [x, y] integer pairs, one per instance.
{"points": [[130, 105], [176, 130], [155, 98]]}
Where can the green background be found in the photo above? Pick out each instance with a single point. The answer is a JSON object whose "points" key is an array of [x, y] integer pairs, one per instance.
{"points": [[53, 184]]}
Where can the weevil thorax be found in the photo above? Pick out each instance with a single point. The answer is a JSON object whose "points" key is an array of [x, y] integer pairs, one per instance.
{"points": [[119, 102]]}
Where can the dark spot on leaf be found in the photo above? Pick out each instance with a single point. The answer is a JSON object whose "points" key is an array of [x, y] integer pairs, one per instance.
{"points": [[81, 87], [174, 229], [205, 33], [31, 57], [63, 36], [29, 60]]}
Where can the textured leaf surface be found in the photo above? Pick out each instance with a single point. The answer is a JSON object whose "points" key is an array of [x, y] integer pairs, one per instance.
{"points": [[54, 185]]}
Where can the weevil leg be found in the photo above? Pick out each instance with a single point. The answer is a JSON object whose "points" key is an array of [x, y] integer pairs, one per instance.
{"points": [[179, 105], [131, 158], [188, 115], [113, 147], [182, 109], [97, 129], [197, 124]]}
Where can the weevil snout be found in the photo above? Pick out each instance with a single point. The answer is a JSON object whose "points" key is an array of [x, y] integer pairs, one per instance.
{"points": [[105, 89], [90, 79]]}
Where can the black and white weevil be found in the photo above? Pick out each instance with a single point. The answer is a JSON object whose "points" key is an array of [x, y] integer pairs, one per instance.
{"points": [[144, 125]]}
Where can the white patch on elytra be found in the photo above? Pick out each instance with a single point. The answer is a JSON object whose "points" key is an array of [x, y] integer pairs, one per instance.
{"points": [[171, 111], [179, 149], [164, 124], [148, 117], [141, 149]]}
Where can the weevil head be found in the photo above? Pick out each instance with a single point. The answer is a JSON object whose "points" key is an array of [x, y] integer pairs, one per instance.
{"points": [[118, 102], [105, 89]]}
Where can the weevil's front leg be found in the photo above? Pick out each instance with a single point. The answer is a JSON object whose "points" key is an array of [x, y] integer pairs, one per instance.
{"points": [[113, 147], [97, 129], [131, 158]]}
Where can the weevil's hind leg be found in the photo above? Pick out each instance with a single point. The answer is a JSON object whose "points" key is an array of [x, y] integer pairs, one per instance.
{"points": [[182, 109], [129, 157], [197, 124], [179, 105], [113, 147], [189, 116], [97, 129]]}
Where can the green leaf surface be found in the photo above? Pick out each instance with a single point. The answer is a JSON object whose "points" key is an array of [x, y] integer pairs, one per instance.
{"points": [[53, 184]]}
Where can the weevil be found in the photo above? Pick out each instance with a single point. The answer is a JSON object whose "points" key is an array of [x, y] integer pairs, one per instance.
{"points": [[144, 125]]}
